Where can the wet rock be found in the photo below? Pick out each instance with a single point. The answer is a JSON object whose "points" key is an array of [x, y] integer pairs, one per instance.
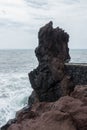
{"points": [[10, 122]]}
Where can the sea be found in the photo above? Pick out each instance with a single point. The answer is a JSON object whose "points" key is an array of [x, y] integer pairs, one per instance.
{"points": [[15, 87]]}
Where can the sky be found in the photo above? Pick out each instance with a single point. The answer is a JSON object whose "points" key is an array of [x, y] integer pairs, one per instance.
{"points": [[20, 21]]}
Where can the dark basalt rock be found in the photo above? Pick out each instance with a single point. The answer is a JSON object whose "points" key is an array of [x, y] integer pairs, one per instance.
{"points": [[32, 99], [52, 52], [52, 43], [10, 122]]}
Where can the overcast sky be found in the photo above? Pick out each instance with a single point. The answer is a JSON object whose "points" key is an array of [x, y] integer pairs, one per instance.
{"points": [[20, 21]]}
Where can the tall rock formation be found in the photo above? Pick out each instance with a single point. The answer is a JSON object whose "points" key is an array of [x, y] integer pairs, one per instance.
{"points": [[49, 79], [53, 42]]}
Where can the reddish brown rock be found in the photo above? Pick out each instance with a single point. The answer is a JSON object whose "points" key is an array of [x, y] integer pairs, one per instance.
{"points": [[57, 69], [68, 113], [80, 92], [67, 85]]}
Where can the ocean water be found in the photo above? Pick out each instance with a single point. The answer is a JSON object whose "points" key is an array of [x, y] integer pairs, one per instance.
{"points": [[14, 83], [78, 55]]}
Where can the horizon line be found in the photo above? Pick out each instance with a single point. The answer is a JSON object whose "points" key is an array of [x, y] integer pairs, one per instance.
{"points": [[34, 48]]}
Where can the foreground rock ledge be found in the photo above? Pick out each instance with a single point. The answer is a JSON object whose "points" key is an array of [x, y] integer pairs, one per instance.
{"points": [[68, 113]]}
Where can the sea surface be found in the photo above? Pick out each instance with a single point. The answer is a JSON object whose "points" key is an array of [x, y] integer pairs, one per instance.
{"points": [[14, 83]]}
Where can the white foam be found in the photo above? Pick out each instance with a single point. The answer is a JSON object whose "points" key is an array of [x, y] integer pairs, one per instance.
{"points": [[14, 92]]}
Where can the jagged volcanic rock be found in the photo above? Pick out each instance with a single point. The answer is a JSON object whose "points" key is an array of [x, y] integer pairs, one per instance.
{"points": [[52, 52], [53, 42]]}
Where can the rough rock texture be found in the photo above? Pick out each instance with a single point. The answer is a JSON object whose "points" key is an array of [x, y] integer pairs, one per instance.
{"points": [[53, 42], [49, 79], [67, 113], [80, 92], [78, 72]]}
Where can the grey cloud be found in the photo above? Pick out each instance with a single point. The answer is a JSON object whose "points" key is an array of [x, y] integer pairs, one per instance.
{"points": [[68, 14], [9, 24], [71, 1], [37, 3]]}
